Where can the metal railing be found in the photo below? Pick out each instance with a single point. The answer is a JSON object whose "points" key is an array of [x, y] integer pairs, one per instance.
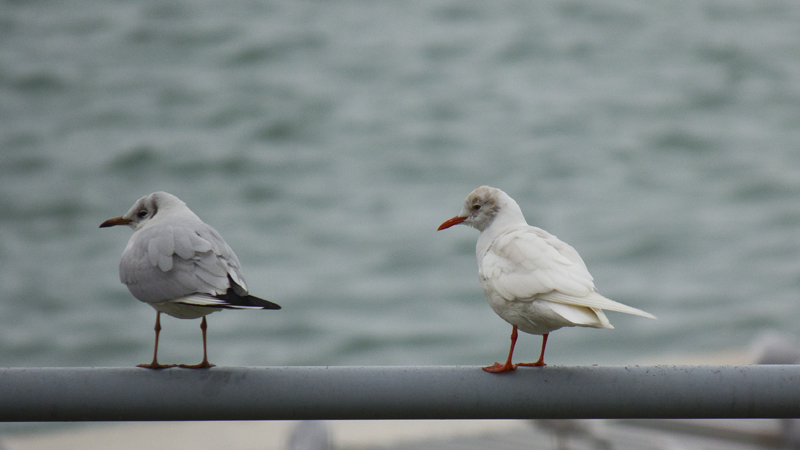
{"points": [[428, 392]]}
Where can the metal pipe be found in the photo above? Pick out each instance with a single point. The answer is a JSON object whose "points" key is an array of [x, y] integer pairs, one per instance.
{"points": [[429, 392]]}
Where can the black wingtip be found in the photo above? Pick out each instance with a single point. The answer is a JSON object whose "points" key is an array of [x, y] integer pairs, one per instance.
{"points": [[264, 304], [234, 299]]}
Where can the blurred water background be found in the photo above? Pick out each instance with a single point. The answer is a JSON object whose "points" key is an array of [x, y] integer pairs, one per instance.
{"points": [[326, 141]]}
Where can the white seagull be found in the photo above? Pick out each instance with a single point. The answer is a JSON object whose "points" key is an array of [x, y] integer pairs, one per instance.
{"points": [[530, 278], [179, 265]]}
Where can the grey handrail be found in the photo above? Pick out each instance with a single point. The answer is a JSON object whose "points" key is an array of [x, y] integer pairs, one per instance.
{"points": [[427, 392]]}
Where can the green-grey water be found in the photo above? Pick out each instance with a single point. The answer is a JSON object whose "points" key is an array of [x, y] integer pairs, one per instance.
{"points": [[326, 141]]}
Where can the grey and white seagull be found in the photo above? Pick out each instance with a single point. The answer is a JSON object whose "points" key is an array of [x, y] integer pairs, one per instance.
{"points": [[180, 266]]}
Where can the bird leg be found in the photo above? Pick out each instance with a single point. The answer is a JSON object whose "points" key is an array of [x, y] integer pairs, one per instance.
{"points": [[205, 364], [155, 364], [540, 362], [497, 367]]}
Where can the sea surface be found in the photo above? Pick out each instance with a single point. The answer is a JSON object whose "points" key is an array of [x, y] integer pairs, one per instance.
{"points": [[327, 140]]}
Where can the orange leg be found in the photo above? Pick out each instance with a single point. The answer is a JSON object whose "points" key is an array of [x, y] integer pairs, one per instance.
{"points": [[497, 367], [540, 362], [155, 364], [205, 364]]}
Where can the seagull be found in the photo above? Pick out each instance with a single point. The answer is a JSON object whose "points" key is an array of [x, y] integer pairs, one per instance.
{"points": [[181, 266], [530, 278]]}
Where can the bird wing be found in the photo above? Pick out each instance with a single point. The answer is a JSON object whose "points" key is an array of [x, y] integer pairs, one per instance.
{"points": [[527, 262], [170, 261], [226, 255], [595, 301]]}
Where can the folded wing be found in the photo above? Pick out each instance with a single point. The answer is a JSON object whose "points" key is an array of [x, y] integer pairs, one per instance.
{"points": [[528, 263], [190, 265]]}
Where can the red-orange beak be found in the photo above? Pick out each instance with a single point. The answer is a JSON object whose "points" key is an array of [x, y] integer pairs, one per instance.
{"points": [[450, 222], [115, 221]]}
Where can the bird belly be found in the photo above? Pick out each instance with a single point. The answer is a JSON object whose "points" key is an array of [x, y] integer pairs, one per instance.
{"points": [[535, 316], [183, 311]]}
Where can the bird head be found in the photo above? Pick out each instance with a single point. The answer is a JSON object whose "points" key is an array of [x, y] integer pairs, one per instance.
{"points": [[482, 206], [144, 210]]}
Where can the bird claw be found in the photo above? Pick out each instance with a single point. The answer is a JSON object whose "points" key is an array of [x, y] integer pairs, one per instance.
{"points": [[155, 366], [533, 364], [202, 365], [499, 368]]}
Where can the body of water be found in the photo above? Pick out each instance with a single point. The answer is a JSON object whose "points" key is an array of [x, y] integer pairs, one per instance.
{"points": [[326, 141]]}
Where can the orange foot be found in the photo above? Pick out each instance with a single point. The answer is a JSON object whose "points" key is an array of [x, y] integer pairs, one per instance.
{"points": [[202, 365], [155, 366], [499, 368], [533, 364]]}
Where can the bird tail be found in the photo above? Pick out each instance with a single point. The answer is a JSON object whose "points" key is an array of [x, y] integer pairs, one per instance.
{"points": [[228, 300], [581, 316], [236, 301], [594, 300]]}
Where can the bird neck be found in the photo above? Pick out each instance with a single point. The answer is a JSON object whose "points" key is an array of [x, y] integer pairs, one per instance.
{"points": [[502, 223]]}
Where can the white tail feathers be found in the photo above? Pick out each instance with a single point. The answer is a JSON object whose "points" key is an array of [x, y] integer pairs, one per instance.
{"points": [[594, 300]]}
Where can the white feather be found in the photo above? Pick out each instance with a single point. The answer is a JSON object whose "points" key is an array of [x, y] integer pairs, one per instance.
{"points": [[531, 278], [594, 300]]}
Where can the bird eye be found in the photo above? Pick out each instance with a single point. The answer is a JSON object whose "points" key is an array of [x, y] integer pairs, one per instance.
{"points": [[476, 207], [142, 214]]}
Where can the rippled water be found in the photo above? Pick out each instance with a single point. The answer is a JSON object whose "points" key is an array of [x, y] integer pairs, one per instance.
{"points": [[327, 140]]}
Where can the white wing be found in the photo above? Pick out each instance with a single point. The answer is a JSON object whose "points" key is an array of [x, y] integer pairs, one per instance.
{"points": [[171, 261], [595, 301], [527, 263]]}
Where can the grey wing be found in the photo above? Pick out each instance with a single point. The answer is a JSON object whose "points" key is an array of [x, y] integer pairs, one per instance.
{"points": [[226, 256], [171, 262]]}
